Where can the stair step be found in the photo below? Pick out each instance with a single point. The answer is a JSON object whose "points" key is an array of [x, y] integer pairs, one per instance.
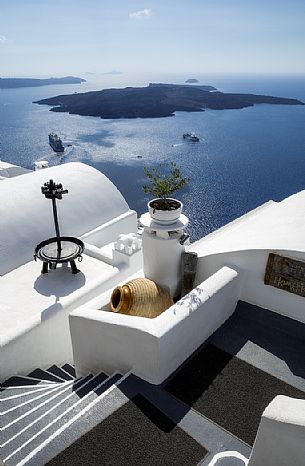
{"points": [[25, 391], [15, 409], [58, 371], [45, 375], [21, 404], [20, 381], [11, 416], [44, 429], [15, 430], [94, 382], [70, 369]]}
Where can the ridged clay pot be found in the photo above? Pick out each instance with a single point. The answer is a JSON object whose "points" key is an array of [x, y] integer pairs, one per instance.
{"points": [[140, 297]]}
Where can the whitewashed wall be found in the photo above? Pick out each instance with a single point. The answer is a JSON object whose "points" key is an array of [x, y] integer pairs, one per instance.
{"points": [[152, 348], [252, 265], [42, 345]]}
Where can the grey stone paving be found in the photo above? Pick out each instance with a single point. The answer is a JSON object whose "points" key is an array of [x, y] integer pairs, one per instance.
{"points": [[266, 340]]}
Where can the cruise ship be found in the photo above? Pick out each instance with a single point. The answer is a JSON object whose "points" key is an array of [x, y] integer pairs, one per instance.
{"points": [[191, 137], [56, 143], [215, 379]]}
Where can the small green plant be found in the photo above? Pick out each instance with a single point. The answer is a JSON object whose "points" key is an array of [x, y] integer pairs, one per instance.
{"points": [[163, 182]]}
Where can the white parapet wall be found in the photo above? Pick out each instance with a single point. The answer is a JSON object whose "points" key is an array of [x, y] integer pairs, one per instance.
{"points": [[108, 232], [275, 227], [253, 263], [151, 348], [280, 439]]}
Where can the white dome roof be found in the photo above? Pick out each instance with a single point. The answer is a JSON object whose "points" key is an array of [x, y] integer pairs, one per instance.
{"points": [[26, 215]]}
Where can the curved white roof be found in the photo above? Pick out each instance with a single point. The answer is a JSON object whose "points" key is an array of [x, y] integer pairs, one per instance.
{"points": [[26, 215]]}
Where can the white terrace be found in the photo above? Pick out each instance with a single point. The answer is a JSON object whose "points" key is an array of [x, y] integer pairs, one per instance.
{"points": [[34, 307], [58, 317]]}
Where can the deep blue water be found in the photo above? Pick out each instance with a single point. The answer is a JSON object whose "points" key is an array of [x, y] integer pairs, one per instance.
{"points": [[244, 158]]}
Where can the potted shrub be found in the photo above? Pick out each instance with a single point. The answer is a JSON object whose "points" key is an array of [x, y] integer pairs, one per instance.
{"points": [[163, 182]]}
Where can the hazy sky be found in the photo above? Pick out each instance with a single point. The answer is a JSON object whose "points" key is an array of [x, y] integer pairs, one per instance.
{"points": [[57, 37]]}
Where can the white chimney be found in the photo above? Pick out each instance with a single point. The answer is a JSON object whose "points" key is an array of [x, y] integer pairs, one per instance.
{"points": [[163, 246]]}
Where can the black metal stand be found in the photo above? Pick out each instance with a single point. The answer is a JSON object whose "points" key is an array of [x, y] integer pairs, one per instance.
{"points": [[44, 267], [60, 249], [47, 252], [56, 227], [73, 267], [52, 265]]}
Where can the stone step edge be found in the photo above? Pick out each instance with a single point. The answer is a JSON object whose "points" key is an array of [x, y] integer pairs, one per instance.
{"points": [[59, 379], [61, 370], [45, 393], [45, 413], [26, 378], [39, 388], [71, 370]]}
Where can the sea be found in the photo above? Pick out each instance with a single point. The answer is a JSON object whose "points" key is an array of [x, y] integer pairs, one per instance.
{"points": [[244, 158]]}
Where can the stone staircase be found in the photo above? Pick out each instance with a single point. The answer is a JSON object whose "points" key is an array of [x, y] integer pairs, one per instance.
{"points": [[38, 408]]}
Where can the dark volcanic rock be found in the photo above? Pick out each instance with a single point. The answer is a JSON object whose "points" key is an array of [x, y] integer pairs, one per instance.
{"points": [[156, 100], [7, 83]]}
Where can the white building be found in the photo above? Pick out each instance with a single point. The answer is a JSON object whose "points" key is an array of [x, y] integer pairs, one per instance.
{"points": [[223, 361]]}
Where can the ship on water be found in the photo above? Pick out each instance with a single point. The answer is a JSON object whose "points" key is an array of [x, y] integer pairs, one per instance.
{"points": [[56, 143], [191, 137]]}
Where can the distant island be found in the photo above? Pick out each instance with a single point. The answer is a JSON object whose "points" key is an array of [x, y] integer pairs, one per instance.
{"points": [[113, 72], [192, 81], [155, 100], [169, 86], [8, 83]]}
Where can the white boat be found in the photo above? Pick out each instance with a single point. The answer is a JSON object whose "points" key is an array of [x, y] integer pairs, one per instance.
{"points": [[216, 379], [191, 137], [56, 143]]}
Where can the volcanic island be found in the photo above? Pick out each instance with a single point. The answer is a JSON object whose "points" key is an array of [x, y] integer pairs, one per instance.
{"points": [[156, 100]]}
